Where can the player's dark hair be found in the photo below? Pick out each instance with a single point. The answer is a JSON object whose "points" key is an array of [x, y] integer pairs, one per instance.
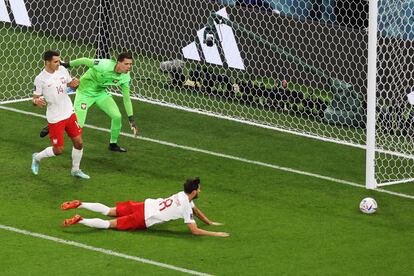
{"points": [[49, 54], [123, 56], [191, 185]]}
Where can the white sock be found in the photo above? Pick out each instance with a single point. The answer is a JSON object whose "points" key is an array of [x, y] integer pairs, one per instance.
{"points": [[47, 152], [95, 207], [76, 159], [95, 223]]}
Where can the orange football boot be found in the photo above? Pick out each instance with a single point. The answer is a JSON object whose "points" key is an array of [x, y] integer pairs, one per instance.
{"points": [[71, 221], [70, 205]]}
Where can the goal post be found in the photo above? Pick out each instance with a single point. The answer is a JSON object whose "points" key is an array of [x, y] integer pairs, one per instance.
{"points": [[390, 130], [370, 180], [337, 71]]}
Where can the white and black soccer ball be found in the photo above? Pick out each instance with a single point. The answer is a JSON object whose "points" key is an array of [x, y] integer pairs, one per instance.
{"points": [[368, 205]]}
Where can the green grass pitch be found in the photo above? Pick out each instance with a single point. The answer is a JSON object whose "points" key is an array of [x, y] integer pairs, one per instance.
{"points": [[280, 222]]}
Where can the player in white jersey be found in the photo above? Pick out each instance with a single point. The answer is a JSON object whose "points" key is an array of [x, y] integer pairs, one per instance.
{"points": [[132, 215], [50, 90]]}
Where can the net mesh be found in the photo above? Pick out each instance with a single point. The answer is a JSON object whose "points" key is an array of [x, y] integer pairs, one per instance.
{"points": [[395, 80], [298, 66]]}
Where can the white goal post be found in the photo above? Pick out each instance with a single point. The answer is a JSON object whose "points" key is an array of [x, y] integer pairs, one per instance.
{"points": [[337, 71], [370, 180], [389, 143]]}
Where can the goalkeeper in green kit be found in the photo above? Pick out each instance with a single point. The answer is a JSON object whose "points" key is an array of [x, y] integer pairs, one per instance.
{"points": [[93, 89]]}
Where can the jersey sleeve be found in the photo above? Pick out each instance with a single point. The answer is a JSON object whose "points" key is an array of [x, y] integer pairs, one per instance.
{"points": [[38, 90], [192, 204], [127, 99], [65, 72], [188, 214], [84, 61]]}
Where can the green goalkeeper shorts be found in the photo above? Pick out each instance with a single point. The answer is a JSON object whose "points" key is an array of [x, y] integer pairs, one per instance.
{"points": [[83, 103]]}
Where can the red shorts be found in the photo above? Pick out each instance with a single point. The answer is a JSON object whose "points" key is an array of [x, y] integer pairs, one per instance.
{"points": [[56, 130], [130, 215]]}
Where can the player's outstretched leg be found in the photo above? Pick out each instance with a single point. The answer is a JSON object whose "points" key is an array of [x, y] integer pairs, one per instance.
{"points": [[38, 156], [44, 132], [35, 164], [72, 221], [93, 223], [91, 206], [70, 204], [77, 153]]}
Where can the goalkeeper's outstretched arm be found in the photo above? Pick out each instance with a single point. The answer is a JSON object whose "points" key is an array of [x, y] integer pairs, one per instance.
{"points": [[82, 61], [78, 62]]}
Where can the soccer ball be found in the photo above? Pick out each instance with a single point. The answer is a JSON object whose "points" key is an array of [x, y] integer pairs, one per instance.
{"points": [[368, 205]]}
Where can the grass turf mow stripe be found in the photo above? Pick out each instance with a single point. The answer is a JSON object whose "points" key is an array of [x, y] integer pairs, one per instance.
{"points": [[101, 250], [221, 155]]}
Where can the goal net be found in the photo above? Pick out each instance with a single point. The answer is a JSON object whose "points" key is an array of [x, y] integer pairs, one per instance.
{"points": [[394, 159], [294, 66]]}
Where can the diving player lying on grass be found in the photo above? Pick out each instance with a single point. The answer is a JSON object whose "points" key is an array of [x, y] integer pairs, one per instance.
{"points": [[131, 215]]}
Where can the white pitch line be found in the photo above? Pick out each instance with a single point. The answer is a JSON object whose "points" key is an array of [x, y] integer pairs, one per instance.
{"points": [[336, 180], [101, 250]]}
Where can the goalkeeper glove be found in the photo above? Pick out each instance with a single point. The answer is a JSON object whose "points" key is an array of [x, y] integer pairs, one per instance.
{"points": [[64, 64], [133, 125]]}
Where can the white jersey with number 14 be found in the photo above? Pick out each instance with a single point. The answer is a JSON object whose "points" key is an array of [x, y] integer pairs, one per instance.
{"points": [[53, 88], [165, 209]]}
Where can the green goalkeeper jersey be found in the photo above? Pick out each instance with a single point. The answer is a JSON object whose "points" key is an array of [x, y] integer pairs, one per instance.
{"points": [[100, 76]]}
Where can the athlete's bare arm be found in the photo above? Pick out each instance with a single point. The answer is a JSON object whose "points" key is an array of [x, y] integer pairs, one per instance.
{"points": [[204, 218], [197, 231]]}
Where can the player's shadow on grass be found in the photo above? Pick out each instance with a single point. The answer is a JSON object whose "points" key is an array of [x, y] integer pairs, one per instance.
{"points": [[81, 230], [167, 233], [152, 232]]}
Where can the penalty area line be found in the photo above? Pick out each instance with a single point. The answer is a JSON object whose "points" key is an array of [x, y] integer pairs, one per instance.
{"points": [[221, 155], [101, 250]]}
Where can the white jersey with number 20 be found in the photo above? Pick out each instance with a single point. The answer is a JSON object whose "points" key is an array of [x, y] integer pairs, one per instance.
{"points": [[53, 88], [165, 209]]}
